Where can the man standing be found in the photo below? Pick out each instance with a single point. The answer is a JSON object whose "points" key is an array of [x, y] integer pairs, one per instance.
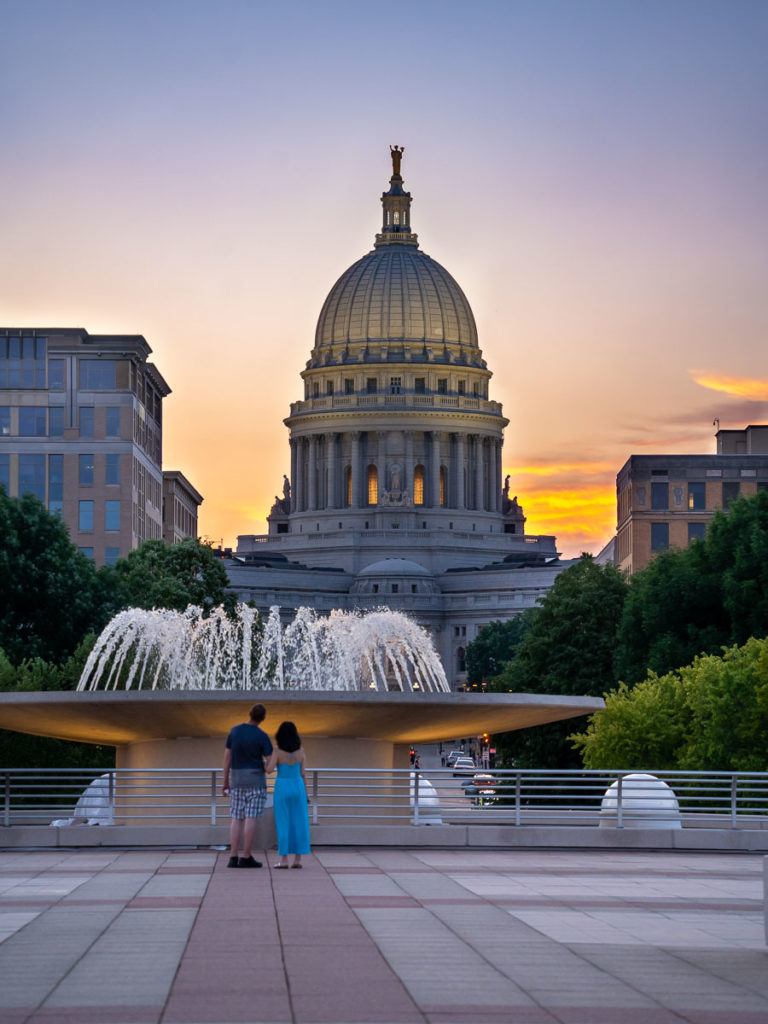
{"points": [[247, 747]]}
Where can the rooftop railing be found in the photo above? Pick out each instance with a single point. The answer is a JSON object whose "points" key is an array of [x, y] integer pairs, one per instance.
{"points": [[351, 796]]}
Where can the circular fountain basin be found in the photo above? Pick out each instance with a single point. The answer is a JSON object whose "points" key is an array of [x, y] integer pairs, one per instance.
{"points": [[367, 729]]}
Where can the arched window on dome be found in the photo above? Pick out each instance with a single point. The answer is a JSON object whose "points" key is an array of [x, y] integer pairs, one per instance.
{"points": [[348, 486], [443, 486], [461, 660], [418, 485], [373, 485]]}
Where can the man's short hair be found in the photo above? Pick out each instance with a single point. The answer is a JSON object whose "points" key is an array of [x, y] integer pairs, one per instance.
{"points": [[258, 713]]}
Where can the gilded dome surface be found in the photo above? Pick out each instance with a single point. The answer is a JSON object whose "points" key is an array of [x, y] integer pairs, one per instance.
{"points": [[396, 293]]}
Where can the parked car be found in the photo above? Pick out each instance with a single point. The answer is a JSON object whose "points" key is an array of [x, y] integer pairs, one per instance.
{"points": [[464, 766], [453, 754]]}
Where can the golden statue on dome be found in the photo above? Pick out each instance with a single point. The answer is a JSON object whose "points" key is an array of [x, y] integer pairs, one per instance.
{"points": [[397, 155]]}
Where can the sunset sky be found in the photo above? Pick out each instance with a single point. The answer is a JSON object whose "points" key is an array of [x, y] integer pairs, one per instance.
{"points": [[594, 174]]}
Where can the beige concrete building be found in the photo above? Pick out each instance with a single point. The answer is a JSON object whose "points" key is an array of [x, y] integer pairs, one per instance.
{"points": [[81, 427], [180, 504], [666, 501]]}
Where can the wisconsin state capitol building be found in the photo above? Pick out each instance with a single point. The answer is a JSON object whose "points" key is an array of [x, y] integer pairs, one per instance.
{"points": [[395, 494]]}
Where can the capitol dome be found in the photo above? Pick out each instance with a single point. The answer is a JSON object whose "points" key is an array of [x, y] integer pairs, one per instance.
{"points": [[397, 293]]}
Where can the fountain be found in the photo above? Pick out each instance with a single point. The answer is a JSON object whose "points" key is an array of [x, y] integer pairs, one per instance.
{"points": [[382, 650], [165, 687]]}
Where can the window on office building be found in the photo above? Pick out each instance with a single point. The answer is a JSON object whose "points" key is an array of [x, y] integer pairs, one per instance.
{"points": [[697, 497], [5, 420], [111, 555], [56, 483], [87, 551], [56, 421], [660, 497], [696, 531], [32, 421], [659, 536], [111, 515], [731, 490], [56, 374], [22, 361], [98, 374], [86, 420], [32, 475], [395, 385], [85, 516], [112, 469], [85, 470], [5, 472], [113, 420]]}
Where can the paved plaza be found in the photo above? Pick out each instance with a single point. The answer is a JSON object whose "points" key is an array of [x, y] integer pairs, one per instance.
{"points": [[370, 935]]}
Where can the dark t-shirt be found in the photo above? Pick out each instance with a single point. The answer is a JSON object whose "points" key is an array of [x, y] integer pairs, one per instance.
{"points": [[249, 745]]}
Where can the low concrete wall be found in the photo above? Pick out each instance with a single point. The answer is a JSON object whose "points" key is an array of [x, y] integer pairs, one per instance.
{"points": [[424, 836]]}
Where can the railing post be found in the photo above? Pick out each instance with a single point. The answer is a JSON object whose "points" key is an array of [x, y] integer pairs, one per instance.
{"points": [[315, 797], [7, 809], [213, 796], [734, 798], [416, 797], [619, 808], [518, 794], [111, 793]]}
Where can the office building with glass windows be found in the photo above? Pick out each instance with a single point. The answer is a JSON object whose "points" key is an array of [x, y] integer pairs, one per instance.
{"points": [[81, 428], [666, 501]]}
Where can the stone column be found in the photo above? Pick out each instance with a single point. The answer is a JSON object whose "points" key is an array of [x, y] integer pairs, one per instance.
{"points": [[435, 469], [298, 489], [330, 460], [498, 476], [409, 464], [312, 474], [355, 465], [479, 473], [294, 473], [460, 496]]}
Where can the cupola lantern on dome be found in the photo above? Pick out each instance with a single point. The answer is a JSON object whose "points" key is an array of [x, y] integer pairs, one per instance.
{"points": [[396, 225]]}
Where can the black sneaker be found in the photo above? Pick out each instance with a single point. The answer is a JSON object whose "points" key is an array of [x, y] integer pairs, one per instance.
{"points": [[248, 862], [232, 862]]}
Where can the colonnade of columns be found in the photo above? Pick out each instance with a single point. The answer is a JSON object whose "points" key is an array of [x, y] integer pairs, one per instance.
{"points": [[328, 473]]}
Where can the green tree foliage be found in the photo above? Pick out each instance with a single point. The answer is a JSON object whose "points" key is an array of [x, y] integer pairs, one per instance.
{"points": [[495, 645], [50, 594], [568, 649], [709, 715], [160, 575]]}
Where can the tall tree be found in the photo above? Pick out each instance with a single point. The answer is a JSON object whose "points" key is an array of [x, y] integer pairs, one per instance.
{"points": [[495, 645], [50, 594], [569, 649], [159, 575]]}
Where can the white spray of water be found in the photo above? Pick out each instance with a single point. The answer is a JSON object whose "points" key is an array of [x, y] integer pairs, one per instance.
{"points": [[378, 650]]}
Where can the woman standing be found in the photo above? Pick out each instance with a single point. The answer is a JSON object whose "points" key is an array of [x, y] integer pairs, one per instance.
{"points": [[290, 799]]}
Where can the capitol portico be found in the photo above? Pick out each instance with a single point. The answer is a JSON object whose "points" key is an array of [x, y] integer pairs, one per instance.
{"points": [[396, 459]]}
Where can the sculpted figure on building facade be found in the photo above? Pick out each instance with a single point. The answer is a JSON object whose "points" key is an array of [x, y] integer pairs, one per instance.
{"points": [[397, 156], [286, 489]]}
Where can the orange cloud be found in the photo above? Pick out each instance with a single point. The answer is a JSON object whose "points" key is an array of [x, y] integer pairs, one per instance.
{"points": [[751, 388], [575, 500]]}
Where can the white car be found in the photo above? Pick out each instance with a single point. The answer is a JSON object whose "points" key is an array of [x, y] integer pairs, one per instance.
{"points": [[453, 754], [464, 766]]}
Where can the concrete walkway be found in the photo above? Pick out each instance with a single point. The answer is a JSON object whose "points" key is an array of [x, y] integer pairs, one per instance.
{"points": [[383, 936]]}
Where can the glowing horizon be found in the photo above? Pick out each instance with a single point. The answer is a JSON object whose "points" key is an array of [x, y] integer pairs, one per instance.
{"points": [[592, 175]]}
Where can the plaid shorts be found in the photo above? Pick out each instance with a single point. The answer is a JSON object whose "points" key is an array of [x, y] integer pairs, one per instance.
{"points": [[247, 803]]}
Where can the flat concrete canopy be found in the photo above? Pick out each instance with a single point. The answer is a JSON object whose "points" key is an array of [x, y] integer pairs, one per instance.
{"points": [[134, 716]]}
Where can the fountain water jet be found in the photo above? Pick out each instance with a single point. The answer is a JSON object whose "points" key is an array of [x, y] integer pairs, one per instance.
{"points": [[167, 650]]}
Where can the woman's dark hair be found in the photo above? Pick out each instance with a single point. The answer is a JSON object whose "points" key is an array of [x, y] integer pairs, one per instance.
{"points": [[287, 737]]}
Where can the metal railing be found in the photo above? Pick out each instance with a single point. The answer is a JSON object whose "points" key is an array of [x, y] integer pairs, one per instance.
{"points": [[352, 796]]}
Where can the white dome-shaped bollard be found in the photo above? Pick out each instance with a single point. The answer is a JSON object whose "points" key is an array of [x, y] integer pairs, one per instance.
{"points": [[646, 802]]}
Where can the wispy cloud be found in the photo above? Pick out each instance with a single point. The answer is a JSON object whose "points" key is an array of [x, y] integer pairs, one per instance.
{"points": [[754, 389]]}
